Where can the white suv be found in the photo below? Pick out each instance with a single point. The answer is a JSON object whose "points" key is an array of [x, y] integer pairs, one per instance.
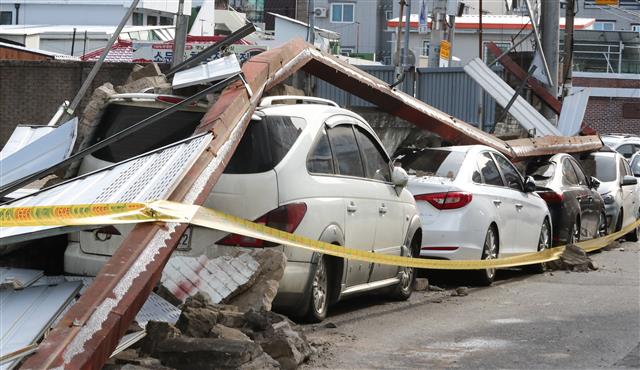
{"points": [[624, 144], [314, 169]]}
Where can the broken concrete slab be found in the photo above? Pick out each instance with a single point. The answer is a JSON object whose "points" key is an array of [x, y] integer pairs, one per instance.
{"points": [[261, 294], [184, 353], [225, 332], [146, 70], [420, 284], [573, 258], [197, 318], [157, 331], [285, 343]]}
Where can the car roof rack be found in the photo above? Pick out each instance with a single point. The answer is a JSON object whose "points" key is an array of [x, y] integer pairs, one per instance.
{"points": [[269, 101]]}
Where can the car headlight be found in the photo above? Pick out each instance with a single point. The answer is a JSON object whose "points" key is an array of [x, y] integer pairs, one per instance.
{"points": [[608, 198]]}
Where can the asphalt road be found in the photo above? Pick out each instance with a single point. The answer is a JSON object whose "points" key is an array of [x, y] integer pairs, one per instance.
{"points": [[553, 320]]}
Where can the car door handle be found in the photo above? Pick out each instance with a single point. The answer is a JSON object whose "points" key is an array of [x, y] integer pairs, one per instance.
{"points": [[351, 208], [497, 202], [519, 206], [382, 209]]}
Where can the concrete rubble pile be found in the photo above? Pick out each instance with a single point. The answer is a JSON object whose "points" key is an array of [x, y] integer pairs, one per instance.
{"points": [[573, 258], [241, 333]]}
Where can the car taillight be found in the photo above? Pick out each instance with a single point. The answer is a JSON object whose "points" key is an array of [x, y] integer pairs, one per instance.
{"points": [[285, 218], [551, 196], [448, 200]]}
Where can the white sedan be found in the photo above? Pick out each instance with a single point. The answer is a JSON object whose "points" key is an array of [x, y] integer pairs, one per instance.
{"points": [[474, 204]]}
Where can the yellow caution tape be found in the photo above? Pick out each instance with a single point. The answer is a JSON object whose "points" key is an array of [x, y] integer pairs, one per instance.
{"points": [[165, 211]]}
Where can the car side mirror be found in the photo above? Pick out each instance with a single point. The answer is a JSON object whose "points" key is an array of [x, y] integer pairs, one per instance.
{"points": [[529, 185], [629, 180], [399, 178], [595, 183], [636, 173]]}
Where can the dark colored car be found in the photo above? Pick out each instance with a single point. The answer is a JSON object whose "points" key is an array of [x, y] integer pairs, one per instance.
{"points": [[577, 210]]}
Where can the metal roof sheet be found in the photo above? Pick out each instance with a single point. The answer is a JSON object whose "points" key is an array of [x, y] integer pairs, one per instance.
{"points": [[18, 278], [23, 135], [144, 178], [522, 111], [573, 107], [28, 313], [42, 153]]}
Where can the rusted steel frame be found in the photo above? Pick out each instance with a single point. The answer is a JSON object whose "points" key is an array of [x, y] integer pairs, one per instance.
{"points": [[522, 75], [397, 103], [549, 145], [89, 332]]}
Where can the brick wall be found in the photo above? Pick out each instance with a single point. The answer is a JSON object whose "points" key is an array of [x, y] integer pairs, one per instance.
{"points": [[32, 91], [605, 116]]}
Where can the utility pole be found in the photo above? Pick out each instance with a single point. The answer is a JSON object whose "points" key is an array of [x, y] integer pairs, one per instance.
{"points": [[396, 59], [550, 27], [438, 25], [407, 32], [181, 35], [312, 22], [480, 46], [568, 48]]}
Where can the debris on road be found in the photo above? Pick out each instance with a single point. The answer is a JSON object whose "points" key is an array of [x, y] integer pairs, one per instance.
{"points": [[572, 259], [421, 284]]}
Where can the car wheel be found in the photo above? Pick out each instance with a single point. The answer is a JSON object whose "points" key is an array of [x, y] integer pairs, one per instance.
{"points": [[544, 242], [319, 294], [634, 235], [489, 251], [574, 233], [602, 228], [402, 291], [619, 221]]}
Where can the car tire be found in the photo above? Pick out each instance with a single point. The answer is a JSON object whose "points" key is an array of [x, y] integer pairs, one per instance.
{"points": [[544, 242], [318, 301], [603, 230], [402, 291], [619, 221], [634, 235], [489, 251], [574, 233]]}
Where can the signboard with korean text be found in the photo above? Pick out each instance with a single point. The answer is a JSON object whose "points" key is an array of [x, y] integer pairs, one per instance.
{"points": [[146, 51], [445, 53]]}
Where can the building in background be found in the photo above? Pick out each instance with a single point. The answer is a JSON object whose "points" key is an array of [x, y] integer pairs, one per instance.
{"points": [[624, 17], [88, 12]]}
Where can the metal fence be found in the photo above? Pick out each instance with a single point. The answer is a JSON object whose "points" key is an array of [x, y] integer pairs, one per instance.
{"points": [[450, 90]]}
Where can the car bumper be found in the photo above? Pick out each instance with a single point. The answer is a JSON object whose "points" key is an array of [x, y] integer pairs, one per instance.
{"points": [[611, 212], [444, 241]]}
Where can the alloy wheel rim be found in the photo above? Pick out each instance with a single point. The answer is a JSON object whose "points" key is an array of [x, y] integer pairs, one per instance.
{"points": [[320, 288], [602, 230], [492, 251], [544, 241], [575, 233]]}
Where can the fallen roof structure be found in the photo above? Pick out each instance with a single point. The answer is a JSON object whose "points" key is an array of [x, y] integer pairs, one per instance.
{"points": [[89, 332]]}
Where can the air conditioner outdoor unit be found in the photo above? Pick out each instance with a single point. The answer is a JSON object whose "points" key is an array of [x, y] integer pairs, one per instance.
{"points": [[320, 12]]}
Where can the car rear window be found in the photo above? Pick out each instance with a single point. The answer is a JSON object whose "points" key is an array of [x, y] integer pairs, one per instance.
{"points": [[117, 117], [542, 172], [433, 162], [264, 144], [601, 167]]}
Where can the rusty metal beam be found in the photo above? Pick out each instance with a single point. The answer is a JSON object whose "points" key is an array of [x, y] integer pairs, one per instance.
{"points": [[522, 75], [549, 145], [90, 330]]}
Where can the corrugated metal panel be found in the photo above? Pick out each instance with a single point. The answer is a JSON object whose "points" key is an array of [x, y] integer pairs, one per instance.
{"points": [[23, 135], [28, 313], [148, 177], [573, 107], [522, 111], [448, 89], [18, 278], [39, 154]]}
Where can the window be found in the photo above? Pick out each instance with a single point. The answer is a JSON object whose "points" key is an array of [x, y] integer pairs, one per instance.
{"points": [[489, 171], [582, 178], [137, 19], [345, 150], [635, 165], [601, 167], [152, 20], [6, 17], [388, 14], [488, 56], [511, 175], [342, 13], [604, 26], [264, 144], [376, 163], [346, 51], [425, 48], [320, 159], [569, 176], [166, 21], [635, 27], [433, 162], [626, 150], [176, 126]]}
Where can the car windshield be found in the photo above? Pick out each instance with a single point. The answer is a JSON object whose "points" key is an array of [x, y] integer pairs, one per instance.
{"points": [[541, 171], [264, 144], [433, 162], [635, 165], [117, 117], [601, 167]]}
